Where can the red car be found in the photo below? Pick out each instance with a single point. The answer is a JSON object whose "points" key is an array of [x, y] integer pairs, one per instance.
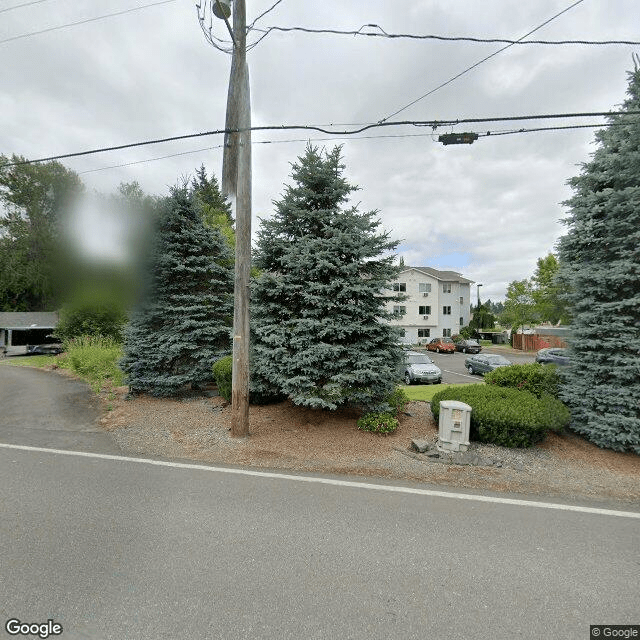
{"points": [[441, 344]]}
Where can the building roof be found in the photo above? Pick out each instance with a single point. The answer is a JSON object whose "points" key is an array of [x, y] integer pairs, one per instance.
{"points": [[447, 276], [28, 319]]}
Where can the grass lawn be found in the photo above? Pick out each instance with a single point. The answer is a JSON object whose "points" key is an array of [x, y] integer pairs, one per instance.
{"points": [[426, 391], [30, 361]]}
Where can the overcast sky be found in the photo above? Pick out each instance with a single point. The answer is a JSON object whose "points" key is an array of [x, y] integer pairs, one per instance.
{"points": [[487, 210]]}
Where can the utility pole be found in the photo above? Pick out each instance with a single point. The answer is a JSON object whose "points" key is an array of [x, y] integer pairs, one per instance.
{"points": [[236, 184]]}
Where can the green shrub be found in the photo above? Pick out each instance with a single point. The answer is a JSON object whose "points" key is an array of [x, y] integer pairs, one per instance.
{"points": [[397, 400], [95, 360], [222, 374], [378, 423], [504, 416], [535, 378], [92, 315]]}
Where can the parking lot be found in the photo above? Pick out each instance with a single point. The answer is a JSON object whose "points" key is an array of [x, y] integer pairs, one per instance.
{"points": [[454, 371]]}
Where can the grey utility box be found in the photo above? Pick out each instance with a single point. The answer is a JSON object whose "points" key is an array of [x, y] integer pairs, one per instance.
{"points": [[453, 428]]}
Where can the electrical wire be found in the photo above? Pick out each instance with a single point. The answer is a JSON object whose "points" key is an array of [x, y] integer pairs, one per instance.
{"points": [[411, 36], [492, 134], [433, 124], [263, 14], [24, 4], [79, 22], [444, 84]]}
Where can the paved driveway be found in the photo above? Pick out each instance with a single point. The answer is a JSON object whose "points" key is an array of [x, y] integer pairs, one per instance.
{"points": [[42, 409]]}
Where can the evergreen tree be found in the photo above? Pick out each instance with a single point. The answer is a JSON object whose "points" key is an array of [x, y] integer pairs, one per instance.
{"points": [[182, 325], [214, 207], [600, 264], [319, 307]]}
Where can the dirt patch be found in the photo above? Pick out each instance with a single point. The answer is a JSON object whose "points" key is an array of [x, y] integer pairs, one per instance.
{"points": [[284, 436]]}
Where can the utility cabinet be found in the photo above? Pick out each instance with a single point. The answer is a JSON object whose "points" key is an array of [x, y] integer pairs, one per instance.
{"points": [[453, 427]]}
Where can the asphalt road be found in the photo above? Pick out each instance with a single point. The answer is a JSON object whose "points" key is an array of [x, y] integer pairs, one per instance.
{"points": [[454, 371], [122, 549]]}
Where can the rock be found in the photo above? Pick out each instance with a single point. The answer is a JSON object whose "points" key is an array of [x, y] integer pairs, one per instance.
{"points": [[433, 453], [498, 464], [408, 413], [420, 445]]}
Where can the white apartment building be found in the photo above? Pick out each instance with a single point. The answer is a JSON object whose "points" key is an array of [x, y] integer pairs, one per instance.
{"points": [[438, 304]]}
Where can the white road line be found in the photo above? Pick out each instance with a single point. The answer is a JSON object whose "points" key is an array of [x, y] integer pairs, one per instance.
{"points": [[464, 375], [330, 481]]}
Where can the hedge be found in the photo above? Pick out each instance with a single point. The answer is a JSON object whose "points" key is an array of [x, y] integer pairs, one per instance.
{"points": [[534, 377], [504, 416]]}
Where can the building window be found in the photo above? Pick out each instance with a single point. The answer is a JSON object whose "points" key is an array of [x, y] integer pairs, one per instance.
{"points": [[446, 311], [399, 310], [424, 333], [446, 287], [461, 300], [424, 287], [424, 310], [446, 333], [399, 286], [461, 320]]}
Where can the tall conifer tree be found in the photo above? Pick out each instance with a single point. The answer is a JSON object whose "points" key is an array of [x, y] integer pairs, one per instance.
{"points": [[600, 263], [183, 323], [319, 308]]}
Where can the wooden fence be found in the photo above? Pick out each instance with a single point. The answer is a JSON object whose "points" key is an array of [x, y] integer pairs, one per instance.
{"points": [[534, 342]]}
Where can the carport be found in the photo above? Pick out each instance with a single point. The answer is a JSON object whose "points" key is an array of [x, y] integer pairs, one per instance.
{"points": [[19, 329]]}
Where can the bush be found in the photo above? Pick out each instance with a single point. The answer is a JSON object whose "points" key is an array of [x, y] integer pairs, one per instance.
{"points": [[93, 315], [504, 416], [378, 423], [222, 375], [95, 360], [397, 400], [535, 378]]}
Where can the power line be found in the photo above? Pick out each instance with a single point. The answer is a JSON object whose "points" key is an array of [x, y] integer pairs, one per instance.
{"points": [[444, 84], [263, 14], [333, 139], [433, 124], [412, 36], [24, 4], [79, 22]]}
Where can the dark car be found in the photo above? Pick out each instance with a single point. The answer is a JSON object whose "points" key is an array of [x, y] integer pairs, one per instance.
{"points": [[485, 363], [419, 367], [553, 355], [441, 344], [468, 346]]}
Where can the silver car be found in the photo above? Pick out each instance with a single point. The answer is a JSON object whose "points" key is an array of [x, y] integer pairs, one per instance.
{"points": [[419, 367]]}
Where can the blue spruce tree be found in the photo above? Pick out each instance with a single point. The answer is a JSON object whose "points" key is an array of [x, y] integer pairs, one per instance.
{"points": [[183, 322], [600, 266], [319, 308]]}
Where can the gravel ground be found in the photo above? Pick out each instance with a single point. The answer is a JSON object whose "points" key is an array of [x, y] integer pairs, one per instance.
{"points": [[287, 437]]}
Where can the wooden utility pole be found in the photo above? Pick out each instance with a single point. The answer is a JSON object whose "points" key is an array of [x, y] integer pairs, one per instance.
{"points": [[236, 184]]}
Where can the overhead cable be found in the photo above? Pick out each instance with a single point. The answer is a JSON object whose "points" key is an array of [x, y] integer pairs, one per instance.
{"points": [[477, 64], [433, 124], [79, 22], [381, 33], [24, 4], [599, 125]]}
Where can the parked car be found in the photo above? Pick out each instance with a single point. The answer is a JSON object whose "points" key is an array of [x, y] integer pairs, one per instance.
{"points": [[44, 349], [553, 355], [485, 363], [468, 346], [441, 344], [419, 367]]}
